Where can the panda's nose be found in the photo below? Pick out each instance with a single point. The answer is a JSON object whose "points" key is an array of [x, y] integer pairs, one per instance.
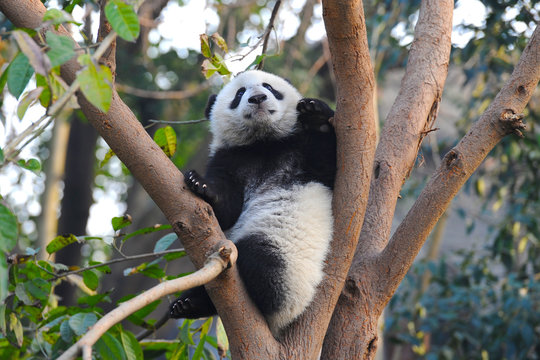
{"points": [[257, 99]]}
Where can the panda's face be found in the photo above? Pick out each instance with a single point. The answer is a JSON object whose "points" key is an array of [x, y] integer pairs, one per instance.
{"points": [[254, 106]]}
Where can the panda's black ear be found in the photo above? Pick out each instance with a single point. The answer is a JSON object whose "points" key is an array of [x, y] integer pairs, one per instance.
{"points": [[211, 101]]}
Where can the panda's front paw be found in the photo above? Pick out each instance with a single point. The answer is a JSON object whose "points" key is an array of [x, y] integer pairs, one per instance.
{"points": [[197, 185], [314, 114]]}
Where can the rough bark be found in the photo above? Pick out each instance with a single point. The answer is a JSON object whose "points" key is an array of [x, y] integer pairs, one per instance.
{"points": [[376, 274], [421, 90]]}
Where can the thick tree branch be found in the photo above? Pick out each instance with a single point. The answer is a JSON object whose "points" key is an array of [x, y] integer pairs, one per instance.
{"points": [[353, 330], [216, 263], [458, 164], [412, 113], [192, 219], [355, 131]]}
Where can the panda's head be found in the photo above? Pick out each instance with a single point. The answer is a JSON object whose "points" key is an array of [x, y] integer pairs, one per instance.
{"points": [[254, 106]]}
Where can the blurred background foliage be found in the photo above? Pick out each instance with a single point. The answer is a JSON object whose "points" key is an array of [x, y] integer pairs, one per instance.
{"points": [[473, 294]]}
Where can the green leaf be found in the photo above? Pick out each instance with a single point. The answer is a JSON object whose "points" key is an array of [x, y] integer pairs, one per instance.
{"points": [[121, 222], [28, 46], [152, 271], [38, 288], [66, 332], [20, 291], [164, 243], [3, 325], [8, 229], [1, 156], [90, 279], [19, 73], [131, 346], [208, 69], [222, 339], [16, 326], [107, 157], [166, 139], [93, 300], [202, 339], [146, 230], [30, 164], [96, 83], [60, 48], [109, 348], [57, 17], [27, 100], [123, 19], [104, 269], [205, 46], [60, 242], [4, 283], [80, 322], [3, 78]]}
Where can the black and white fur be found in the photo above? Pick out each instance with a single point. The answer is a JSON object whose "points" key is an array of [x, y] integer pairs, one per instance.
{"points": [[269, 180]]}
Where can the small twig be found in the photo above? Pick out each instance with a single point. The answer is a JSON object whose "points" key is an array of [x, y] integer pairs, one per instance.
{"points": [[114, 261], [163, 95], [267, 33], [178, 122], [263, 38], [216, 263]]}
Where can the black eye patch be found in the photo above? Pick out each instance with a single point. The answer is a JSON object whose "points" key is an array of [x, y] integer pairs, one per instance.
{"points": [[276, 93], [237, 98]]}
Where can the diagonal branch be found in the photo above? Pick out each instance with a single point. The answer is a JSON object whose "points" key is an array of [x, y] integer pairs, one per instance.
{"points": [[216, 263], [412, 114], [497, 121]]}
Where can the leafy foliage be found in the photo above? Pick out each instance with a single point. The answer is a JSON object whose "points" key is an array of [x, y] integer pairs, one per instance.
{"points": [[467, 310]]}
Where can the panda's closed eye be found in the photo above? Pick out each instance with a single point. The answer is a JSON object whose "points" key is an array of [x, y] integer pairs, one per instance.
{"points": [[274, 92]]}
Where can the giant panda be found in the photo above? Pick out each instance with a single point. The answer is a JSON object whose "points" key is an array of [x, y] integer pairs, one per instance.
{"points": [[269, 181]]}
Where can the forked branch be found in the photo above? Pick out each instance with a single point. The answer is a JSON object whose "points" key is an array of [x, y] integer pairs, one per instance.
{"points": [[500, 119]]}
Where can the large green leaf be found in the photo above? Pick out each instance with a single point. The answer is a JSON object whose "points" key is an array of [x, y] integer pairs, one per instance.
{"points": [[96, 83], [123, 19], [80, 322], [166, 139], [121, 222], [8, 229], [131, 346], [28, 46], [164, 243], [109, 348], [90, 279], [60, 242], [60, 48], [19, 73]]}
